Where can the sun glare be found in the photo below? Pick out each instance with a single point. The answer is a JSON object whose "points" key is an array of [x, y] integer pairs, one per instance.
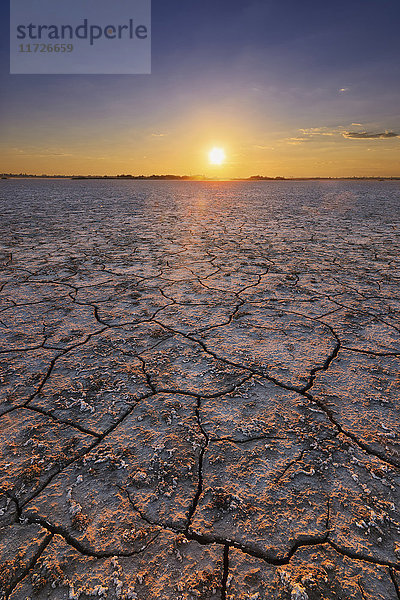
{"points": [[216, 156]]}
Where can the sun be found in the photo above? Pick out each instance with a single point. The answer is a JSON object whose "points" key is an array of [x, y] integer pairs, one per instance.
{"points": [[216, 156]]}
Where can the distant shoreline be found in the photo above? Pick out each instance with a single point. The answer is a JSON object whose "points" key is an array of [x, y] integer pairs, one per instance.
{"points": [[189, 178]]}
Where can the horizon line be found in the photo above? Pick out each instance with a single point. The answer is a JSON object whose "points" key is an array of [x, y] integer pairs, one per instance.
{"points": [[172, 177]]}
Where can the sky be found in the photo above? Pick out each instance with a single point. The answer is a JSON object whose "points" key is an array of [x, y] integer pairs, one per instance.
{"points": [[286, 88]]}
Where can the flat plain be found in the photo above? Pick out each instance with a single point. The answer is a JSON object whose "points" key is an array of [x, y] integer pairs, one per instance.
{"points": [[200, 390]]}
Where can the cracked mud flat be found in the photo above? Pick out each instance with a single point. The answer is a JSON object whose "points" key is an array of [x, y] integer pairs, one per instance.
{"points": [[200, 391]]}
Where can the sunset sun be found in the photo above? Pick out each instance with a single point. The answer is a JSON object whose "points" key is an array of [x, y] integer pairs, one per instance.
{"points": [[217, 156]]}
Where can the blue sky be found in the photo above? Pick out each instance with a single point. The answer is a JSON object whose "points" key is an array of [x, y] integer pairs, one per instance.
{"points": [[270, 80]]}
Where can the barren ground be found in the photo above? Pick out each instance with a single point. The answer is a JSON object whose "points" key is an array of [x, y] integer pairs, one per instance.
{"points": [[200, 391]]}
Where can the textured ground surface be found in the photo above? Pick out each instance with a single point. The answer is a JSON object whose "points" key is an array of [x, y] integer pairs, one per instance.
{"points": [[200, 391]]}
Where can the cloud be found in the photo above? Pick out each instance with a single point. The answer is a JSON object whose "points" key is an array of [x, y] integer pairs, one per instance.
{"points": [[56, 154], [294, 141], [328, 135], [342, 90], [318, 131], [158, 134], [38, 152], [310, 134], [259, 147], [364, 135]]}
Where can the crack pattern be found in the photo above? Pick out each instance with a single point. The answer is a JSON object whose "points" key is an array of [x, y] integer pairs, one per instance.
{"points": [[200, 395]]}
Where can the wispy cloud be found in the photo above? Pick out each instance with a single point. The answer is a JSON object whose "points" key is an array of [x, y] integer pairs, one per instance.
{"points": [[344, 90], [330, 135], [364, 135], [158, 134], [38, 152], [310, 134], [312, 131], [294, 141]]}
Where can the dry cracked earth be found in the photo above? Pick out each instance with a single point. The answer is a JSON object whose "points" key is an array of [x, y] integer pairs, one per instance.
{"points": [[200, 391]]}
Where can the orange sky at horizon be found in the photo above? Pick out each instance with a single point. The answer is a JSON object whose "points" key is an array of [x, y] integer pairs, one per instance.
{"points": [[183, 148]]}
